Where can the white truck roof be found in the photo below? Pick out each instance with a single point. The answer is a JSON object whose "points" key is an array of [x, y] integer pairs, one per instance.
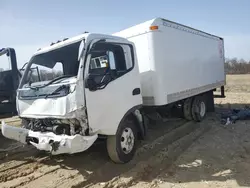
{"points": [[145, 27], [75, 39], [60, 44]]}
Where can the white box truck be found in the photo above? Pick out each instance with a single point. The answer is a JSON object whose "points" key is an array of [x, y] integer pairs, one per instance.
{"points": [[111, 85]]}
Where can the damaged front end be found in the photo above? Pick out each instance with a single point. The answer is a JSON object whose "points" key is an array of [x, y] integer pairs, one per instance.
{"points": [[54, 124], [57, 125], [49, 141], [51, 103]]}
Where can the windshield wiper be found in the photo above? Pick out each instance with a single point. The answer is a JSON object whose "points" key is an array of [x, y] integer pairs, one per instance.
{"points": [[56, 90], [51, 82]]}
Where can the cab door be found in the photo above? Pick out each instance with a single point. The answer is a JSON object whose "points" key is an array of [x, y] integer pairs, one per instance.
{"points": [[112, 85]]}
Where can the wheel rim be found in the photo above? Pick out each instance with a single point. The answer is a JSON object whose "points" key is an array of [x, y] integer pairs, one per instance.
{"points": [[202, 109], [127, 140]]}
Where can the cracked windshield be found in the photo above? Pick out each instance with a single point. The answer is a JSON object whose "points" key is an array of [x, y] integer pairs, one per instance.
{"points": [[50, 68], [62, 62]]}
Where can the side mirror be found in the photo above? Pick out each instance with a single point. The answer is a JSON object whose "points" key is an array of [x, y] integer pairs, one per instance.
{"points": [[91, 84]]}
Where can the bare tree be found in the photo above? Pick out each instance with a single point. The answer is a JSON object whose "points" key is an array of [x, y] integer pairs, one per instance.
{"points": [[235, 66]]}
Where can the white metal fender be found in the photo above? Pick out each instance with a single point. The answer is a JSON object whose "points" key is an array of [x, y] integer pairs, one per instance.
{"points": [[48, 141]]}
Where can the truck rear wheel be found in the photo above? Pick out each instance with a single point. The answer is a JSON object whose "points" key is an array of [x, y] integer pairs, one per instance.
{"points": [[187, 109], [199, 108], [122, 146]]}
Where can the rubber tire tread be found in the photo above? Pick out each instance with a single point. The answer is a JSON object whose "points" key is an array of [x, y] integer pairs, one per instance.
{"points": [[114, 147], [196, 108], [187, 109]]}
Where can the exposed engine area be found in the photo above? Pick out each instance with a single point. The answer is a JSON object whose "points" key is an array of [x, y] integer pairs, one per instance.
{"points": [[68, 127]]}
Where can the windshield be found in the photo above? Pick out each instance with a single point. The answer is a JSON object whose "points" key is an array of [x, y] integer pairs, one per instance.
{"points": [[43, 68], [46, 70]]}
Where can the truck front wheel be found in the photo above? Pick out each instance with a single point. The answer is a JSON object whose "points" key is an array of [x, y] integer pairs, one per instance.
{"points": [[122, 146]]}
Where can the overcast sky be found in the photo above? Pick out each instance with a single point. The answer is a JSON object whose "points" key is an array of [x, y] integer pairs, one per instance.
{"points": [[28, 25]]}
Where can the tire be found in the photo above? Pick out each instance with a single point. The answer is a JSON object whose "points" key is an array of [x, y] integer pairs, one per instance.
{"points": [[210, 101], [199, 108], [187, 109], [116, 147]]}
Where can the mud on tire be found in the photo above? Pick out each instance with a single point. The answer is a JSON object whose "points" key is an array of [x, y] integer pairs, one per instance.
{"points": [[120, 147], [187, 109]]}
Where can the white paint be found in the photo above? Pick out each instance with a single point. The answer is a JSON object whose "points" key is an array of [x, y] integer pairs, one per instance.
{"points": [[106, 107], [15, 133], [87, 36], [117, 96], [67, 144], [61, 107], [174, 59]]}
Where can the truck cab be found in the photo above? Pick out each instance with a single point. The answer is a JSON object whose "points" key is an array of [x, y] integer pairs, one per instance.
{"points": [[97, 93]]}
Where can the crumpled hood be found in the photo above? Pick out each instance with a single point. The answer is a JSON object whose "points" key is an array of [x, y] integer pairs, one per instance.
{"points": [[68, 106]]}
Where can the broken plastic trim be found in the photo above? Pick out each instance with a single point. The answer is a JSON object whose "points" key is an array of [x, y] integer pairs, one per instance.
{"points": [[48, 141]]}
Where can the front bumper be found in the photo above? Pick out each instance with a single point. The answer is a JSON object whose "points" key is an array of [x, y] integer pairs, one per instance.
{"points": [[48, 141]]}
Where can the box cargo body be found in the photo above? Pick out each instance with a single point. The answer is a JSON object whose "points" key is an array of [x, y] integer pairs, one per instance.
{"points": [[175, 61]]}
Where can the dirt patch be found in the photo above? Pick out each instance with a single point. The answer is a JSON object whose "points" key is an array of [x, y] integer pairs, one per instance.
{"points": [[219, 159], [93, 168]]}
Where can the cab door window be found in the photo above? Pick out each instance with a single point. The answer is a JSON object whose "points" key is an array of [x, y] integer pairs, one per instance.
{"points": [[109, 62]]}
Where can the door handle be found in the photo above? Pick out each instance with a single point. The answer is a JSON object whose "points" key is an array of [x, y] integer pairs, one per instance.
{"points": [[136, 91]]}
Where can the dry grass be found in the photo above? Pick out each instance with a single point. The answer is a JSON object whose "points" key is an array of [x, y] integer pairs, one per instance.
{"points": [[238, 83], [237, 91]]}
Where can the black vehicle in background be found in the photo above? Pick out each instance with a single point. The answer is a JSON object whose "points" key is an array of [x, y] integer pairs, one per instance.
{"points": [[9, 80]]}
